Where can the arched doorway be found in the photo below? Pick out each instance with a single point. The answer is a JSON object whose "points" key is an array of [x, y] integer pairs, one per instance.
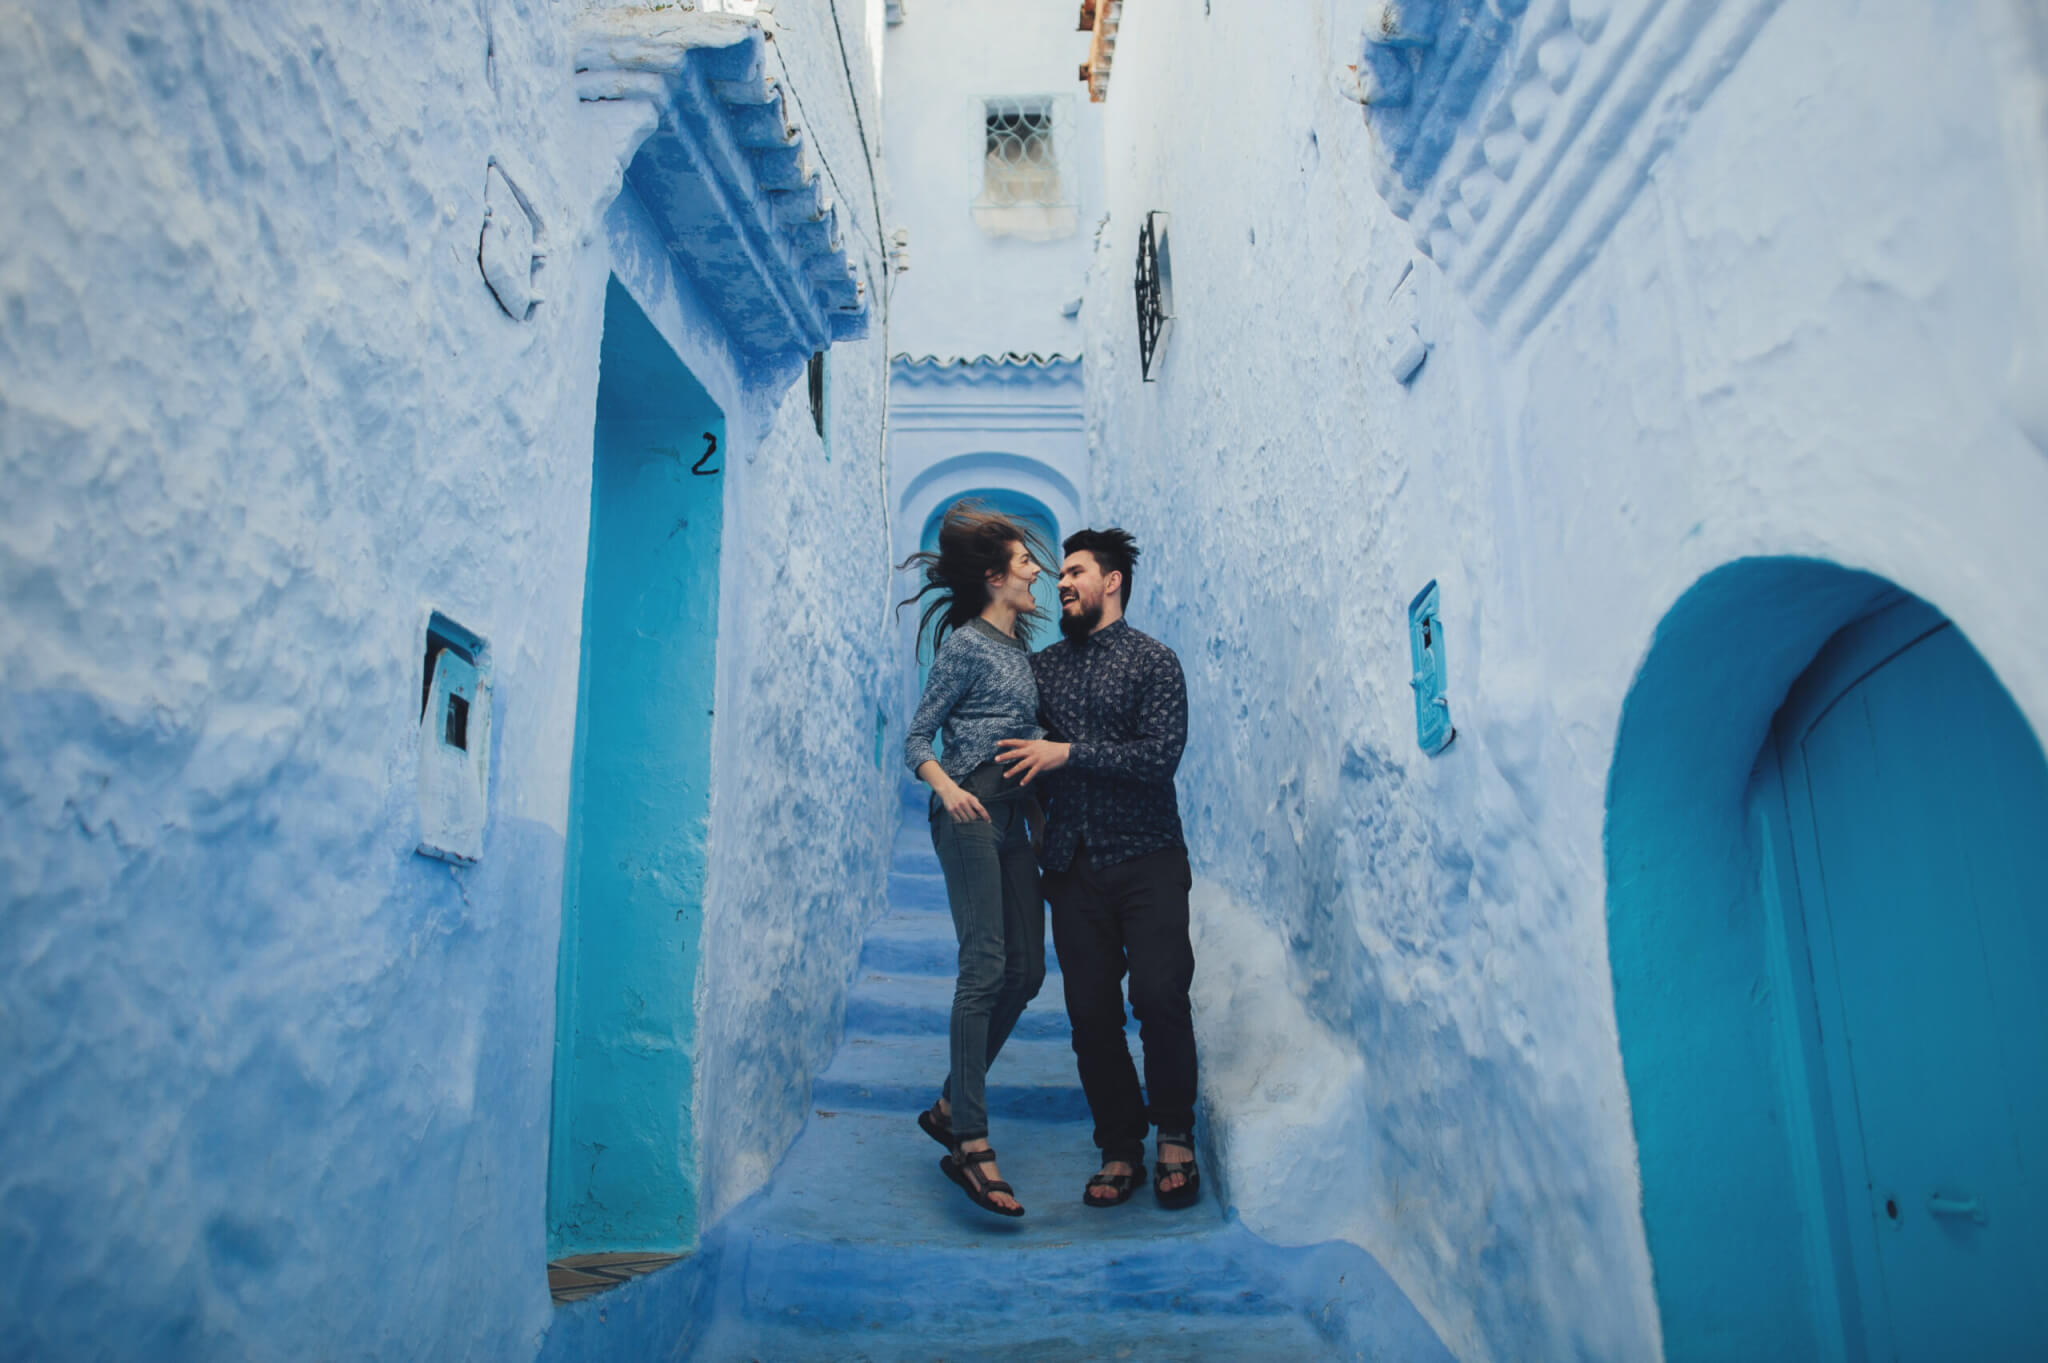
{"points": [[1827, 843], [1031, 512], [1045, 591]]}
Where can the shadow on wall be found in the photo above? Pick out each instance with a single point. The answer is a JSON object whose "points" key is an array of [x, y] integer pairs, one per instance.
{"points": [[1824, 924]]}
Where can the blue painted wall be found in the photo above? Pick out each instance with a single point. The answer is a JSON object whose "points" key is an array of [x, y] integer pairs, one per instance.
{"points": [[265, 1064], [623, 1164]]}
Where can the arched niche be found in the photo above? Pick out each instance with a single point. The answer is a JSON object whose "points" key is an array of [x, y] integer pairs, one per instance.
{"points": [[947, 480], [1011, 482], [1730, 929], [1022, 507]]}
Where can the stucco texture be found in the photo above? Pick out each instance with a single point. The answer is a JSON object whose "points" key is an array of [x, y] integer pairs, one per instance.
{"points": [[1792, 339], [277, 1087]]}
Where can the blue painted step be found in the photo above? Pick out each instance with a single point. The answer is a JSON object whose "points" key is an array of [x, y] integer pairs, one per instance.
{"points": [[859, 1249], [923, 944], [918, 892], [922, 1005], [1032, 1080]]}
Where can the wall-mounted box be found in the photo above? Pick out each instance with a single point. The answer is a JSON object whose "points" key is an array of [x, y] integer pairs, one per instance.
{"points": [[454, 742], [1433, 728]]}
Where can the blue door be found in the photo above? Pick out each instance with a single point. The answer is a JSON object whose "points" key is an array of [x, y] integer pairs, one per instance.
{"points": [[623, 1153], [1917, 800]]}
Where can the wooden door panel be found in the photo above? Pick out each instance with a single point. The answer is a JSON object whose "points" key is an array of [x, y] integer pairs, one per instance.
{"points": [[1927, 802]]}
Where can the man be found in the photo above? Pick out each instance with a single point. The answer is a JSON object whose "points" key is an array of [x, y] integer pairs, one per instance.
{"points": [[1115, 707]]}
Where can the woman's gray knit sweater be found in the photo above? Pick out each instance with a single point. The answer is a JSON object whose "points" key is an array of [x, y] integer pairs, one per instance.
{"points": [[980, 691]]}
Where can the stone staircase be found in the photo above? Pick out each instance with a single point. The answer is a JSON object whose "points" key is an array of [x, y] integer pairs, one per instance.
{"points": [[860, 1250]]}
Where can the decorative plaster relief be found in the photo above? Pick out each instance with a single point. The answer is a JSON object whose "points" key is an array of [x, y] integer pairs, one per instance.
{"points": [[727, 177], [510, 251], [1513, 135]]}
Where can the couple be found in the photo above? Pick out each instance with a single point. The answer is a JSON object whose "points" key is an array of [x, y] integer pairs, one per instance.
{"points": [[1095, 725]]}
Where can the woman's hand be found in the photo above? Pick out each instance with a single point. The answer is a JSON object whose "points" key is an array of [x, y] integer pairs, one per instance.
{"points": [[961, 806]]}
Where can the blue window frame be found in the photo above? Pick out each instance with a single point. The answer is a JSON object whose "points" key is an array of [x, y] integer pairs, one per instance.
{"points": [[1433, 729]]}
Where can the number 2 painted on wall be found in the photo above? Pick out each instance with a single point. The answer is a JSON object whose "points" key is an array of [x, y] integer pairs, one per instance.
{"points": [[710, 448]]}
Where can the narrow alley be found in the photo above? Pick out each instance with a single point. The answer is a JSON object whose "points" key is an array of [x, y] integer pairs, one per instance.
{"points": [[847, 1255], [470, 885]]}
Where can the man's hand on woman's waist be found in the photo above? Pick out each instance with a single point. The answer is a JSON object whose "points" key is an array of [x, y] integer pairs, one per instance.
{"points": [[1031, 756]]}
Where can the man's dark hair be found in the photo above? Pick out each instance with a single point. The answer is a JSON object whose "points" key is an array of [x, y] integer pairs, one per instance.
{"points": [[1115, 552]]}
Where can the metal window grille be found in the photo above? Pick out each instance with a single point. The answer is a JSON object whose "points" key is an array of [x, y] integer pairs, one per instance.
{"points": [[1154, 288], [1019, 164]]}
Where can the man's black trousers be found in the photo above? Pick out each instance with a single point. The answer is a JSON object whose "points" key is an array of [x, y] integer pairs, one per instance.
{"points": [[1106, 920]]}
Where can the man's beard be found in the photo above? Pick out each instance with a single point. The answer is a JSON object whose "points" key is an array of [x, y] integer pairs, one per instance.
{"points": [[1079, 626]]}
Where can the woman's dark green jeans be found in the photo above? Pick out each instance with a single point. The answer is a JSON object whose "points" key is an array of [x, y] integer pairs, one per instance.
{"points": [[992, 886]]}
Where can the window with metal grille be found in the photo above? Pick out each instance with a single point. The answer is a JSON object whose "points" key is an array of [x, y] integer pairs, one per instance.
{"points": [[1153, 285], [1024, 192], [1019, 165]]}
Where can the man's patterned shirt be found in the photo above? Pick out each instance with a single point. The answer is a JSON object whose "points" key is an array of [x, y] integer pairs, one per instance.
{"points": [[1119, 698]]}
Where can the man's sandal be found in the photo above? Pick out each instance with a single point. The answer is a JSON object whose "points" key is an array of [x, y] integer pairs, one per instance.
{"points": [[937, 1127], [1121, 1186], [1190, 1192], [957, 1166]]}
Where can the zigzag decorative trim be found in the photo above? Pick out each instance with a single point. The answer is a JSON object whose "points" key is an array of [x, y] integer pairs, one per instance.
{"points": [[1514, 135], [726, 175], [1011, 367]]}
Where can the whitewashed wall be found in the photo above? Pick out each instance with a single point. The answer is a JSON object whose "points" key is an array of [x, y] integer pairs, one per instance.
{"points": [[258, 415], [1792, 335], [968, 293]]}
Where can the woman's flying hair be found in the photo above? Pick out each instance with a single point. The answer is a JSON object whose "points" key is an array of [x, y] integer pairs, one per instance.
{"points": [[974, 542]]}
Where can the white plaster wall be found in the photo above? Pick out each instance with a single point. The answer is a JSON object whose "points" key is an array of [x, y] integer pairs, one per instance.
{"points": [[258, 415], [968, 293], [800, 813], [1795, 339]]}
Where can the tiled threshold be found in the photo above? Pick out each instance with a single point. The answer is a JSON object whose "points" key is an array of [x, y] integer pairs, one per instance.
{"points": [[586, 1275]]}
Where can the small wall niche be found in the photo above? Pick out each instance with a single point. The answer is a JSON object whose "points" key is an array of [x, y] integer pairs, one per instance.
{"points": [[454, 741], [1433, 730], [819, 381]]}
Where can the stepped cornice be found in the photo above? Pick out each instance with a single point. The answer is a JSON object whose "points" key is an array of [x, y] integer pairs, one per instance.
{"points": [[1513, 135], [726, 175]]}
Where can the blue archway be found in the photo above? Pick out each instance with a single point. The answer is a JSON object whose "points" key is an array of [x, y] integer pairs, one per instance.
{"points": [[1032, 512], [1749, 1081]]}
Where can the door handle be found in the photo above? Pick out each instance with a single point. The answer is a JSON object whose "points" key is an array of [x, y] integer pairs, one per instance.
{"points": [[1960, 1208]]}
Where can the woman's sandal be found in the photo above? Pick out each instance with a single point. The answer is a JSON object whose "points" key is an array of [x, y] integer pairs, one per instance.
{"points": [[1190, 1192], [977, 1188], [937, 1127], [1122, 1187]]}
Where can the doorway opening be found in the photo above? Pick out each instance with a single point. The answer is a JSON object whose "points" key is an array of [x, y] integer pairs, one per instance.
{"points": [[1045, 591], [1827, 920], [622, 1172]]}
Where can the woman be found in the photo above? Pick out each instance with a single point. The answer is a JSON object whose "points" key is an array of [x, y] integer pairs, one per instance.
{"points": [[980, 692]]}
